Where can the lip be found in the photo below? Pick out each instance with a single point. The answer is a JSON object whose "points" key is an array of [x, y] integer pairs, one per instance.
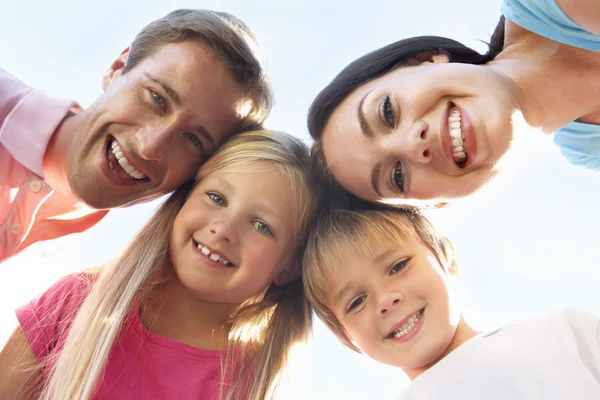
{"points": [[129, 158], [212, 263], [107, 172], [410, 334], [470, 136]]}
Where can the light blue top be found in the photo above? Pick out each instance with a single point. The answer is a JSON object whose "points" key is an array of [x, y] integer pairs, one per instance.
{"points": [[578, 142]]}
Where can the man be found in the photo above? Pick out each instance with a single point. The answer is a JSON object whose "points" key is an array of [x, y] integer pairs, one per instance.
{"points": [[187, 82]]}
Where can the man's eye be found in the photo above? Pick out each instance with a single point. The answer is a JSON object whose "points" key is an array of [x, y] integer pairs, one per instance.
{"points": [[263, 228], [216, 198], [398, 178], [159, 100], [194, 139]]}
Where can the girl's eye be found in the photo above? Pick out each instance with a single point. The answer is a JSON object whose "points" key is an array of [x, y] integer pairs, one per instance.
{"points": [[217, 199], [398, 267], [387, 111], [159, 100], [263, 228], [356, 303], [194, 139], [398, 177]]}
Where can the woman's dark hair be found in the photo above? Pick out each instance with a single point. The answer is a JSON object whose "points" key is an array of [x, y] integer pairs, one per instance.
{"points": [[379, 62]]}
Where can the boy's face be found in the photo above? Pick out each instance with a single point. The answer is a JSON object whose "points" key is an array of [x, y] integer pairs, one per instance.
{"points": [[397, 306]]}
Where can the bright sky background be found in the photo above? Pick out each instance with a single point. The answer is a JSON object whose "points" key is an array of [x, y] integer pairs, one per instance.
{"points": [[526, 244]]}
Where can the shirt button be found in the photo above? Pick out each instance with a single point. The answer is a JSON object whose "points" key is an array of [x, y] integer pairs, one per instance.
{"points": [[15, 229], [35, 186]]}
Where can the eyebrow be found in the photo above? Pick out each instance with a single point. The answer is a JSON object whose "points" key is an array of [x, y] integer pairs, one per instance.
{"points": [[375, 178], [362, 120], [176, 99], [340, 295]]}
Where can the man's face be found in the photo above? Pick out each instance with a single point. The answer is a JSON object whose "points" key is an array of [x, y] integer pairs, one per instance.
{"points": [[153, 126]]}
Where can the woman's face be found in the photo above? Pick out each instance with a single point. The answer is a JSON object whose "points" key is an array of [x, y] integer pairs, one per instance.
{"points": [[425, 132]]}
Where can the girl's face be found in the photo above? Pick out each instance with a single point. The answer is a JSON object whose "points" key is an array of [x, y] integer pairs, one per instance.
{"points": [[407, 134], [397, 306], [234, 235]]}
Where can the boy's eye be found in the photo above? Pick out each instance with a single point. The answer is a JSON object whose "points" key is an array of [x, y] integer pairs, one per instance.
{"points": [[159, 100], [263, 228], [356, 303], [398, 267], [216, 198]]}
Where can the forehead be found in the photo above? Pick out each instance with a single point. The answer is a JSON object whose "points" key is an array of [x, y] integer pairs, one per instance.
{"points": [[345, 145], [205, 87], [258, 186]]}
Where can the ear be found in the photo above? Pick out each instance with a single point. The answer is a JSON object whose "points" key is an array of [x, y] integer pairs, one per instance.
{"points": [[428, 57], [115, 69], [284, 277]]}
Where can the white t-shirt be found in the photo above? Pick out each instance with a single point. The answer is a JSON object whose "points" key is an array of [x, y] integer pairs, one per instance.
{"points": [[551, 357]]}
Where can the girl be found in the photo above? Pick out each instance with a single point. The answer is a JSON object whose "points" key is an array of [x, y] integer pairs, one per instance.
{"points": [[383, 283], [205, 303], [428, 119]]}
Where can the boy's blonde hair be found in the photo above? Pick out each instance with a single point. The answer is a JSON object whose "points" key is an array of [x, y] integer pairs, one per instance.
{"points": [[339, 234], [276, 319]]}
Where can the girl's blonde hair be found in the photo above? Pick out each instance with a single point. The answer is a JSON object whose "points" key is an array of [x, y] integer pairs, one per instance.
{"points": [[276, 319], [340, 233]]}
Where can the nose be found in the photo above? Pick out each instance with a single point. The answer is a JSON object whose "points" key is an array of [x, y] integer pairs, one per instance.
{"points": [[418, 143], [388, 303], [224, 230], [153, 142]]}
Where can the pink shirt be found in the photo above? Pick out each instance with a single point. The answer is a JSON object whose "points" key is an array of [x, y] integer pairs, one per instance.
{"points": [[28, 118], [141, 365]]}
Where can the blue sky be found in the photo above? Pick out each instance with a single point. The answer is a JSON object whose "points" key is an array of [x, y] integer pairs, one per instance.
{"points": [[526, 244]]}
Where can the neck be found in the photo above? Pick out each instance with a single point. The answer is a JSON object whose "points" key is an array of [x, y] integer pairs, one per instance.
{"points": [[56, 157], [174, 313], [556, 83], [463, 333]]}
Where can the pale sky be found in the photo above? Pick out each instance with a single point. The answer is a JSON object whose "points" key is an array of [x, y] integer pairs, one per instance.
{"points": [[525, 244]]}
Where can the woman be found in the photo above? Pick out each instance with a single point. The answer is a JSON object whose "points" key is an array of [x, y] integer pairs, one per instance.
{"points": [[427, 119]]}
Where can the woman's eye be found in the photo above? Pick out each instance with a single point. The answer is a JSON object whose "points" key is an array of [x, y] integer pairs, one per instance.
{"points": [[262, 228], [356, 303], [398, 267], [217, 199], [387, 111], [194, 139], [159, 100], [398, 178]]}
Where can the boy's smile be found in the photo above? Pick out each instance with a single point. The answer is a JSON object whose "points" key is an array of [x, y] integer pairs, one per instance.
{"points": [[395, 304]]}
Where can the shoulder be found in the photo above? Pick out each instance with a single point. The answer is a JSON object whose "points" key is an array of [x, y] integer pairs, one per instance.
{"points": [[585, 13], [12, 91], [45, 320]]}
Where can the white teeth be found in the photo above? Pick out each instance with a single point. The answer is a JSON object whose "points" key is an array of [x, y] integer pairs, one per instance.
{"points": [[214, 257], [456, 133], [456, 136], [408, 325], [124, 163]]}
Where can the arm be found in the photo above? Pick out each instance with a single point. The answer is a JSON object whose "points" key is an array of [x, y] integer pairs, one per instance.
{"points": [[20, 375], [585, 13]]}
